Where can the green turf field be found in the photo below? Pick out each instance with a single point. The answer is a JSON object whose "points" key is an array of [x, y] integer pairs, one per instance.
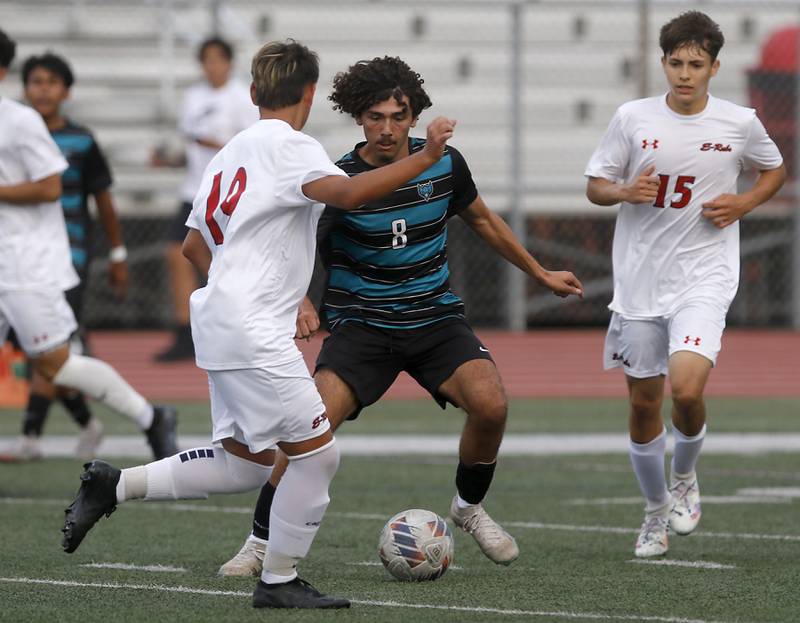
{"points": [[576, 553]]}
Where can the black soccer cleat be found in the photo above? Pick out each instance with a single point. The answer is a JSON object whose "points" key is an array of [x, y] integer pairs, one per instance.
{"points": [[161, 434], [295, 594], [96, 497]]}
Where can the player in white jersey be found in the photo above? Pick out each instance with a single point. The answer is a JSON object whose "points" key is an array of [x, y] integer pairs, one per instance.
{"points": [[253, 232], [673, 162], [36, 268]]}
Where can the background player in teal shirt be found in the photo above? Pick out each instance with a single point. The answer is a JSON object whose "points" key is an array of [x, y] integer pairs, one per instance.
{"points": [[388, 301]]}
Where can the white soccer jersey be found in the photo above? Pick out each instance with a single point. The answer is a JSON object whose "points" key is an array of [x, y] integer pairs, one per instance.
{"points": [[215, 115], [34, 248], [667, 252], [261, 230]]}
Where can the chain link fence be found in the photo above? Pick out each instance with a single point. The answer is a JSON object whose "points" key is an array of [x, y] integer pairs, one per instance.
{"points": [[577, 62]]}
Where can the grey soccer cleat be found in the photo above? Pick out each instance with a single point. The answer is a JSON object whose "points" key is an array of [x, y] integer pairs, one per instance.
{"points": [[249, 560], [497, 544]]}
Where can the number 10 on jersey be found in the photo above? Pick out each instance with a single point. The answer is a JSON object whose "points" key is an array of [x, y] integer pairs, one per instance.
{"points": [[235, 191]]}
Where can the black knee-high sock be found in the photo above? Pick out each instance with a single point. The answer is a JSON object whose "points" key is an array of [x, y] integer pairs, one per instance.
{"points": [[35, 415], [77, 407], [472, 481], [261, 515]]}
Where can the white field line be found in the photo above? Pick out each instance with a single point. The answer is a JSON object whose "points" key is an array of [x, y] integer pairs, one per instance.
{"points": [[548, 444], [533, 525], [362, 602], [126, 567], [693, 564], [714, 471], [707, 499]]}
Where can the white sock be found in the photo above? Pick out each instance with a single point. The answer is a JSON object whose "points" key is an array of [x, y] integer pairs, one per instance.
{"points": [[687, 451], [648, 465], [100, 381], [462, 503], [297, 510], [192, 475]]}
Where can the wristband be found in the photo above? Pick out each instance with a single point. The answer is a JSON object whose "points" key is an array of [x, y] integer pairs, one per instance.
{"points": [[118, 254]]}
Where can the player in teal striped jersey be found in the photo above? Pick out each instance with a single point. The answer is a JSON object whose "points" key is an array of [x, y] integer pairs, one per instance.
{"points": [[388, 301]]}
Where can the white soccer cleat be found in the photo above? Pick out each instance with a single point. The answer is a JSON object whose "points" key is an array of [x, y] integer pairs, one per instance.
{"points": [[497, 544], [89, 440], [653, 539], [248, 561], [685, 512], [29, 448]]}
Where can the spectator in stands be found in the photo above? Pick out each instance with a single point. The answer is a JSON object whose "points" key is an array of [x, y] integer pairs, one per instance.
{"points": [[213, 112], [673, 162], [36, 270], [47, 81]]}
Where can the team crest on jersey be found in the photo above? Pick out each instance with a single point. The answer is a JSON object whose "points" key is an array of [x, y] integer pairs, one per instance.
{"points": [[425, 190]]}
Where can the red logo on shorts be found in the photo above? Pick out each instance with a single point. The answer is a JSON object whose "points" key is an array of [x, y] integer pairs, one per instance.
{"points": [[689, 338], [38, 339], [318, 421]]}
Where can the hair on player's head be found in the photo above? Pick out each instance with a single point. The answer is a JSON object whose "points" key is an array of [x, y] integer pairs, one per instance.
{"points": [[281, 70], [215, 42], [369, 82], [8, 48], [691, 28], [51, 62]]}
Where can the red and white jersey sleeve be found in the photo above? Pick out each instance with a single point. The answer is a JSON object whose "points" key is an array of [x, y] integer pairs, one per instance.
{"points": [[261, 230], [34, 254], [666, 252]]}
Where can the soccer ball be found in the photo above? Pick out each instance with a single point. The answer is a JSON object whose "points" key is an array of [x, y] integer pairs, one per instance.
{"points": [[416, 545]]}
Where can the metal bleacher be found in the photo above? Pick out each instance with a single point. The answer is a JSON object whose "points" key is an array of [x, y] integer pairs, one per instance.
{"points": [[579, 63]]}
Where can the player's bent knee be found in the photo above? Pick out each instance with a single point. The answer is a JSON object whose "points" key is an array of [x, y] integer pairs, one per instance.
{"points": [[645, 408], [493, 416], [48, 364]]}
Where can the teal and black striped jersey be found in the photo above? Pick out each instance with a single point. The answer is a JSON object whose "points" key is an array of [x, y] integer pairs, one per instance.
{"points": [[88, 174], [387, 260]]}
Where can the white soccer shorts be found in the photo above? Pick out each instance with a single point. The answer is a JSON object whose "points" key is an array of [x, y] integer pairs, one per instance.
{"points": [[261, 406], [42, 319], [642, 347]]}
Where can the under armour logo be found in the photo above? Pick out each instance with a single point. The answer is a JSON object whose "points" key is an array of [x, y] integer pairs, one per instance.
{"points": [[620, 358], [646, 143], [689, 338]]}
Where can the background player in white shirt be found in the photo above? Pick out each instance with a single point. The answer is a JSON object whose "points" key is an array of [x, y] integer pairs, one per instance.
{"points": [[673, 162], [253, 231], [36, 269], [213, 112]]}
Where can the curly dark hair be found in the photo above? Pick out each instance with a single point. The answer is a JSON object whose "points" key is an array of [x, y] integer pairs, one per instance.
{"points": [[368, 82], [691, 28], [51, 62]]}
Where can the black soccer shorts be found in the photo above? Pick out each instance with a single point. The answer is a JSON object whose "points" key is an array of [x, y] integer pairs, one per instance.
{"points": [[369, 358]]}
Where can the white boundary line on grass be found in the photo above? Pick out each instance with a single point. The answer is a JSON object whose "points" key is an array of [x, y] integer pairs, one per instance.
{"points": [[707, 499], [363, 602], [123, 566], [533, 525], [694, 564], [514, 444]]}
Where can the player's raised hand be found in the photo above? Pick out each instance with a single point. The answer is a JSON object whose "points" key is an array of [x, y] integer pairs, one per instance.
{"points": [[562, 283], [643, 189], [724, 210], [440, 130], [307, 323]]}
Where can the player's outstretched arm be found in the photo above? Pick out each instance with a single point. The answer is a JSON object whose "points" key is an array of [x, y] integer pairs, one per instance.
{"points": [[40, 191], [498, 235], [350, 193], [196, 251], [727, 209], [117, 270], [604, 192]]}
